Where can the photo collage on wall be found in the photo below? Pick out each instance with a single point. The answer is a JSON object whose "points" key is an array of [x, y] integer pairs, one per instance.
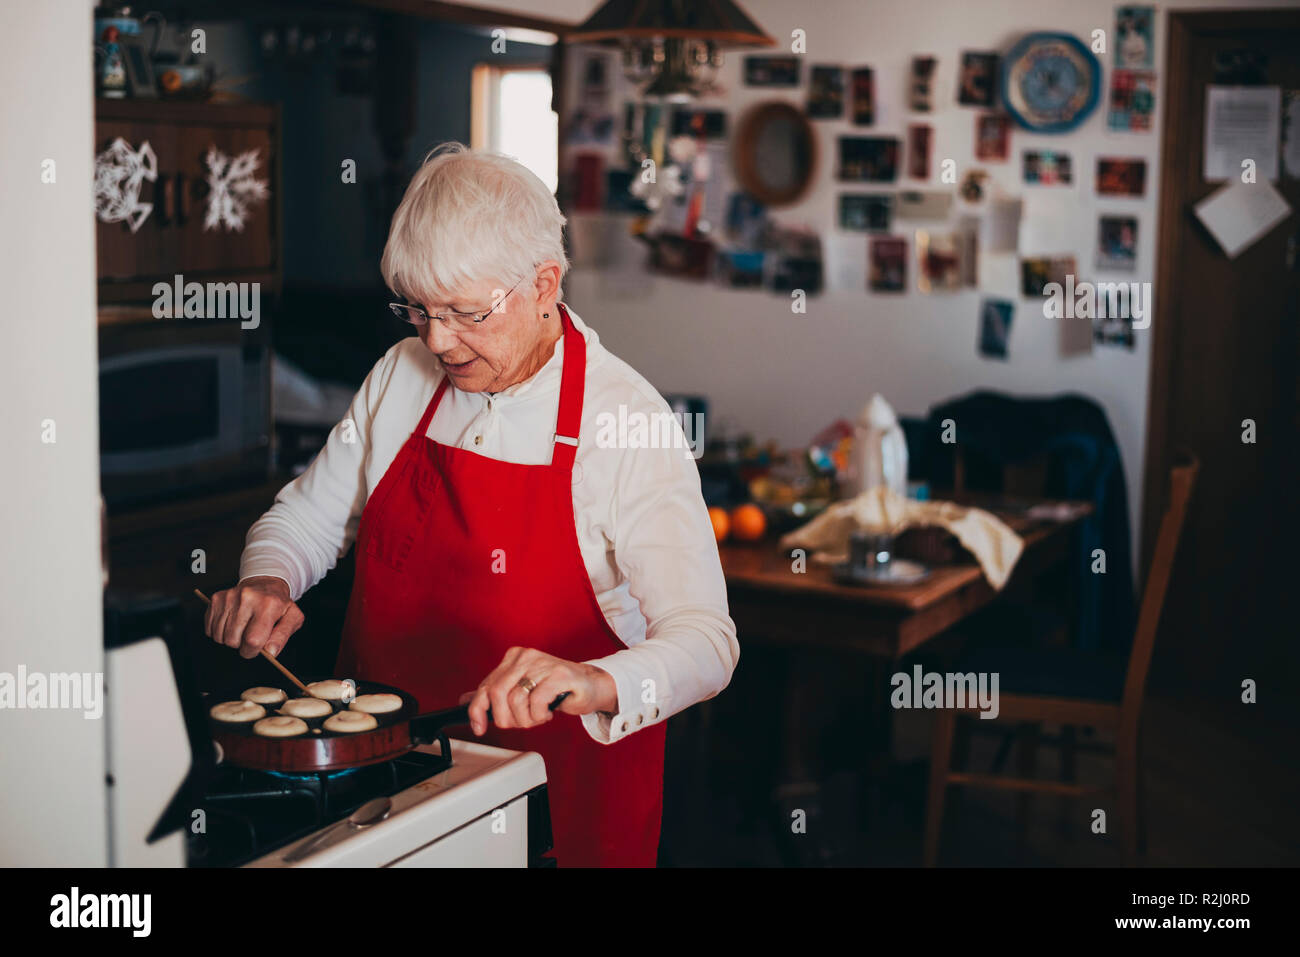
{"points": [[898, 187]]}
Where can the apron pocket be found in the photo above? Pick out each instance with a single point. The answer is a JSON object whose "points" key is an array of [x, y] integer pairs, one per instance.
{"points": [[392, 532]]}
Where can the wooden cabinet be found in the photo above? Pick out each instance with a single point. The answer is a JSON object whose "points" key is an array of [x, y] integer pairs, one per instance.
{"points": [[173, 238]]}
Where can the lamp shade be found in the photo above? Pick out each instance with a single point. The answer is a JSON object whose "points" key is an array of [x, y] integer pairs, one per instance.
{"points": [[719, 21]]}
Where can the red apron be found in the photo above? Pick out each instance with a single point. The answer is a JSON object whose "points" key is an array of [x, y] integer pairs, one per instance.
{"points": [[460, 557]]}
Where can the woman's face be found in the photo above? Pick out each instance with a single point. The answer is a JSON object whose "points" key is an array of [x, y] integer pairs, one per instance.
{"points": [[507, 347]]}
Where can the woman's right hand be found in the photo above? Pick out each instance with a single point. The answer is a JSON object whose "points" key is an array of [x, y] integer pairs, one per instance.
{"points": [[255, 614]]}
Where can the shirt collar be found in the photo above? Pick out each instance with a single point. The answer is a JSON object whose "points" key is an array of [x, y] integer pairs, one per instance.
{"points": [[548, 376]]}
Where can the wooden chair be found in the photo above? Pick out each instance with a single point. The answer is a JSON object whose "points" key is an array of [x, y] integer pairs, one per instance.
{"points": [[1061, 685]]}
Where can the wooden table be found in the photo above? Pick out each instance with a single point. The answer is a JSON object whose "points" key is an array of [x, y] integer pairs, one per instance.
{"points": [[809, 612], [772, 602]]}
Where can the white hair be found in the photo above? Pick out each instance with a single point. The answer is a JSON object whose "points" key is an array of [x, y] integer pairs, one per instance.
{"points": [[469, 216]]}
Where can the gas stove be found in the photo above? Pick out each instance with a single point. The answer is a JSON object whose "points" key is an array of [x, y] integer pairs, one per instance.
{"points": [[171, 801], [487, 807]]}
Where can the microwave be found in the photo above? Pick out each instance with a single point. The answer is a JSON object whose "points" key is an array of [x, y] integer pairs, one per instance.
{"points": [[184, 407]]}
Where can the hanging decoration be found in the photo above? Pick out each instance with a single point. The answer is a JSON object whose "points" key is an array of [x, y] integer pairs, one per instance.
{"points": [[672, 49], [119, 172], [232, 189]]}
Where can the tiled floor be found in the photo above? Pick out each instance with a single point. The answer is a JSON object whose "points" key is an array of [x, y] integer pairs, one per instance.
{"points": [[1214, 797]]}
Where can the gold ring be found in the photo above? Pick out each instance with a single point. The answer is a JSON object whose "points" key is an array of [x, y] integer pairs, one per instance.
{"points": [[527, 683]]}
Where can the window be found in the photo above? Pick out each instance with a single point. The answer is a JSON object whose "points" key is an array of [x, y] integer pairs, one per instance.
{"points": [[511, 114]]}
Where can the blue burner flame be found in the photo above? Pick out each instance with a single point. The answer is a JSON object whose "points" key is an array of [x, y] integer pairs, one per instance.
{"points": [[312, 776]]}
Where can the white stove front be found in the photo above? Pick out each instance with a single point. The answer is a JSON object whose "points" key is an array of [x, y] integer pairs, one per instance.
{"points": [[474, 814]]}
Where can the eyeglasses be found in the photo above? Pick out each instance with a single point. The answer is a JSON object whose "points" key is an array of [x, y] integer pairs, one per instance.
{"points": [[460, 321]]}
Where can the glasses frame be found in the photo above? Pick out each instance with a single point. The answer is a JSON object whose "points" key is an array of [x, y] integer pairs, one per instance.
{"points": [[464, 322]]}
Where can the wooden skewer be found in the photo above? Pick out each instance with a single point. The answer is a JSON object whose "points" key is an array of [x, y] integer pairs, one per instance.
{"points": [[271, 658]]}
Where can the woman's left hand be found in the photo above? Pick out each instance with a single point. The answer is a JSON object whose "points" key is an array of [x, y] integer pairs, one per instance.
{"points": [[590, 689]]}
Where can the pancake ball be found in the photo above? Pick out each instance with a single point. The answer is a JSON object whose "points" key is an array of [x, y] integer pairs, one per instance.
{"points": [[281, 726], [350, 722], [306, 708], [377, 703], [332, 689], [263, 695], [238, 712]]}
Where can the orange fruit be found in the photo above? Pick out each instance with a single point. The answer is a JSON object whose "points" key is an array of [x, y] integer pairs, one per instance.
{"points": [[748, 523], [721, 522]]}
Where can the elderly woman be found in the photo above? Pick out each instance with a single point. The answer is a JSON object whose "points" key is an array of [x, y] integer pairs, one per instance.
{"points": [[503, 555]]}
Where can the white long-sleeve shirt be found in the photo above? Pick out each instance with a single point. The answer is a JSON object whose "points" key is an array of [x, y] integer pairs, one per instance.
{"points": [[643, 529]]}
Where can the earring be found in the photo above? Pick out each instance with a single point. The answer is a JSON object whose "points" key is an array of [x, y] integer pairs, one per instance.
{"points": [[546, 315]]}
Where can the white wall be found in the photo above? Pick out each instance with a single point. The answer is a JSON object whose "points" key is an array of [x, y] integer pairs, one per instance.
{"points": [[785, 376], [51, 762]]}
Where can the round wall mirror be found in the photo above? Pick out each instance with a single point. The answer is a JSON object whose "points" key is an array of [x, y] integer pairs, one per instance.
{"points": [[775, 153]]}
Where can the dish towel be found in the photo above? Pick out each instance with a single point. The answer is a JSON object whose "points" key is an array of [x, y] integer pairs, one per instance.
{"points": [[995, 546]]}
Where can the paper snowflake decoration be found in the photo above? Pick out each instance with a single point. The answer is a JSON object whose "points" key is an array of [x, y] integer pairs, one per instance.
{"points": [[231, 188], [119, 172]]}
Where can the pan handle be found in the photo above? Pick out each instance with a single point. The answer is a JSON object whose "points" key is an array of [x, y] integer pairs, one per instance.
{"points": [[427, 728]]}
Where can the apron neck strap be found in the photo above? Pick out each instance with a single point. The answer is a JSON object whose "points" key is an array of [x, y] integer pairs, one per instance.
{"points": [[431, 408], [572, 383]]}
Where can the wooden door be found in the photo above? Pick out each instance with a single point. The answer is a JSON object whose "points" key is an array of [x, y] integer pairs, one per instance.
{"points": [[1225, 349]]}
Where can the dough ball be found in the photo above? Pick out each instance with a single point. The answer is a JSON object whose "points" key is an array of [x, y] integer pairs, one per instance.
{"points": [[331, 689], [238, 712], [281, 726], [376, 703], [306, 708], [264, 695], [350, 722]]}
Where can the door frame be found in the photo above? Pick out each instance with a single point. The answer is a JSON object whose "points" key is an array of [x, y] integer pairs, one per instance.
{"points": [[1184, 27]]}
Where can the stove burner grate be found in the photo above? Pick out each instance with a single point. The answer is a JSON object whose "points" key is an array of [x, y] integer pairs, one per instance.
{"points": [[251, 813]]}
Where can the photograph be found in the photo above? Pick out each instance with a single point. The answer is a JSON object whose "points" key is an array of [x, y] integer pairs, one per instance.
{"points": [[1121, 177], [1135, 37], [977, 81], [798, 267], [772, 70], [866, 211], [995, 327], [919, 139], [1114, 331], [993, 137], [864, 97], [1047, 168], [923, 204], [939, 265], [1117, 243], [546, 434], [887, 264], [868, 158], [974, 185], [1036, 272], [706, 124], [1132, 101], [826, 92], [920, 97]]}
